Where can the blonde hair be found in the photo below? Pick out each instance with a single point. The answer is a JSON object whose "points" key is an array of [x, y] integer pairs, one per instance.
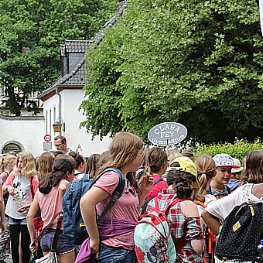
{"points": [[123, 149], [29, 164], [205, 171], [9, 159], [45, 162]]}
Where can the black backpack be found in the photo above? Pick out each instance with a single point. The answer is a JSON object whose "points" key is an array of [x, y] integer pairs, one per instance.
{"points": [[241, 233]]}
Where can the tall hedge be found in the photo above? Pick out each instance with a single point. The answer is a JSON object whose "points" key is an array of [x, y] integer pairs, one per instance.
{"points": [[237, 150]]}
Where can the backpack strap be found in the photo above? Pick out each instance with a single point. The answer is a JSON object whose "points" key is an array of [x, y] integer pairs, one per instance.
{"points": [[174, 202], [158, 181], [200, 203], [145, 204], [60, 214], [117, 192], [211, 238], [56, 236], [228, 189]]}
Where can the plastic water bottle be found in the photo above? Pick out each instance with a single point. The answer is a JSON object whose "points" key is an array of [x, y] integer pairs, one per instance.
{"points": [[17, 198], [260, 250]]}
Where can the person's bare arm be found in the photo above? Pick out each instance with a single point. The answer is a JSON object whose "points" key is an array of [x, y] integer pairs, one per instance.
{"points": [[30, 223], [189, 209], [63, 187], [88, 210], [2, 208], [211, 221]]}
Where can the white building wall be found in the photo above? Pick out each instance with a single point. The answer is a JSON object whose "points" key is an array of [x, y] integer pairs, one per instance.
{"points": [[72, 117], [27, 133]]}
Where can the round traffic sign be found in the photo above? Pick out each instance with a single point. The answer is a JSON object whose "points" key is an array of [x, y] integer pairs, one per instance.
{"points": [[47, 137]]}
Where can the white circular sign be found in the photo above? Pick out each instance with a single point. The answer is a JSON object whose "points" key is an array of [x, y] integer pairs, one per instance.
{"points": [[47, 137], [167, 133]]}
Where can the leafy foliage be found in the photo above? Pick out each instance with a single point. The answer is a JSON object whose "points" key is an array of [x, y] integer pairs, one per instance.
{"points": [[30, 34], [238, 150], [197, 62]]}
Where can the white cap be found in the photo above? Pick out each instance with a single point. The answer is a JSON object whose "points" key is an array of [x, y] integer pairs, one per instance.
{"points": [[238, 168], [223, 159]]}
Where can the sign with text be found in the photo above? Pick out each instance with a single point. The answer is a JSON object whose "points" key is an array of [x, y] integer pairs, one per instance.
{"points": [[167, 133], [47, 146]]}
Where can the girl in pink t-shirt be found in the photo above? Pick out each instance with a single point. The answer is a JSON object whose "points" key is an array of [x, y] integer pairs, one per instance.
{"points": [[125, 154], [49, 200]]}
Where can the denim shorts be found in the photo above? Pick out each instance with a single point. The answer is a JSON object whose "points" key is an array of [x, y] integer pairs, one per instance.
{"points": [[116, 255], [14, 221], [63, 245]]}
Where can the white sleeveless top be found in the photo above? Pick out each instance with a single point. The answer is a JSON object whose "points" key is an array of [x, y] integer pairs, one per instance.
{"points": [[222, 207]]}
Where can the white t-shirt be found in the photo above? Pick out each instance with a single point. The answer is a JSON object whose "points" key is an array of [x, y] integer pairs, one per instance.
{"points": [[222, 207], [23, 196]]}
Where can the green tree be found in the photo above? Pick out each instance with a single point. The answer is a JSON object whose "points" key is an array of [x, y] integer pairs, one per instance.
{"points": [[30, 34], [195, 62]]}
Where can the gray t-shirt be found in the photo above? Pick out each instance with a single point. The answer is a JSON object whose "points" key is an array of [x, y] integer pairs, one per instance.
{"points": [[22, 196]]}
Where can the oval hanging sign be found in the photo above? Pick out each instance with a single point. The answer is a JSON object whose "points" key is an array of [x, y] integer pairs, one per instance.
{"points": [[167, 133]]}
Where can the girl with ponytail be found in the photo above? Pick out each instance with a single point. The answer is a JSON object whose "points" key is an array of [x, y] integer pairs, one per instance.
{"points": [[125, 154], [48, 199], [205, 172], [183, 217]]}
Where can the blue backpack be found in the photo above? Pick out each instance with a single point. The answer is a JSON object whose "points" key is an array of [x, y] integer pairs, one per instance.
{"points": [[74, 227]]}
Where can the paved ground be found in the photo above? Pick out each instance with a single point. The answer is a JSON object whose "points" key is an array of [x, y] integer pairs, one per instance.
{"points": [[8, 260]]}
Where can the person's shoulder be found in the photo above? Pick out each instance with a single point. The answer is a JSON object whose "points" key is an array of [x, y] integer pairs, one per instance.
{"points": [[189, 208], [109, 175], [62, 186], [163, 183], [257, 190]]}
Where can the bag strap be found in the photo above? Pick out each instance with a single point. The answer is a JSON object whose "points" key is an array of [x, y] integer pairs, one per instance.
{"points": [[145, 204], [200, 203], [174, 202], [48, 226], [56, 236], [117, 192], [158, 181]]}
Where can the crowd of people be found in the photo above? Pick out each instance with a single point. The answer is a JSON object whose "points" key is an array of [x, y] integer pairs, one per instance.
{"points": [[208, 187]]}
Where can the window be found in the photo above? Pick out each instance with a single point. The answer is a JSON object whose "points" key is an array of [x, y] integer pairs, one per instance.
{"points": [[12, 147], [54, 114]]}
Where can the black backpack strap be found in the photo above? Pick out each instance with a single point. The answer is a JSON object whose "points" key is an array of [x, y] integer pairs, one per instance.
{"points": [[56, 236], [228, 189], [117, 192], [144, 206], [158, 181], [209, 191], [60, 215]]}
